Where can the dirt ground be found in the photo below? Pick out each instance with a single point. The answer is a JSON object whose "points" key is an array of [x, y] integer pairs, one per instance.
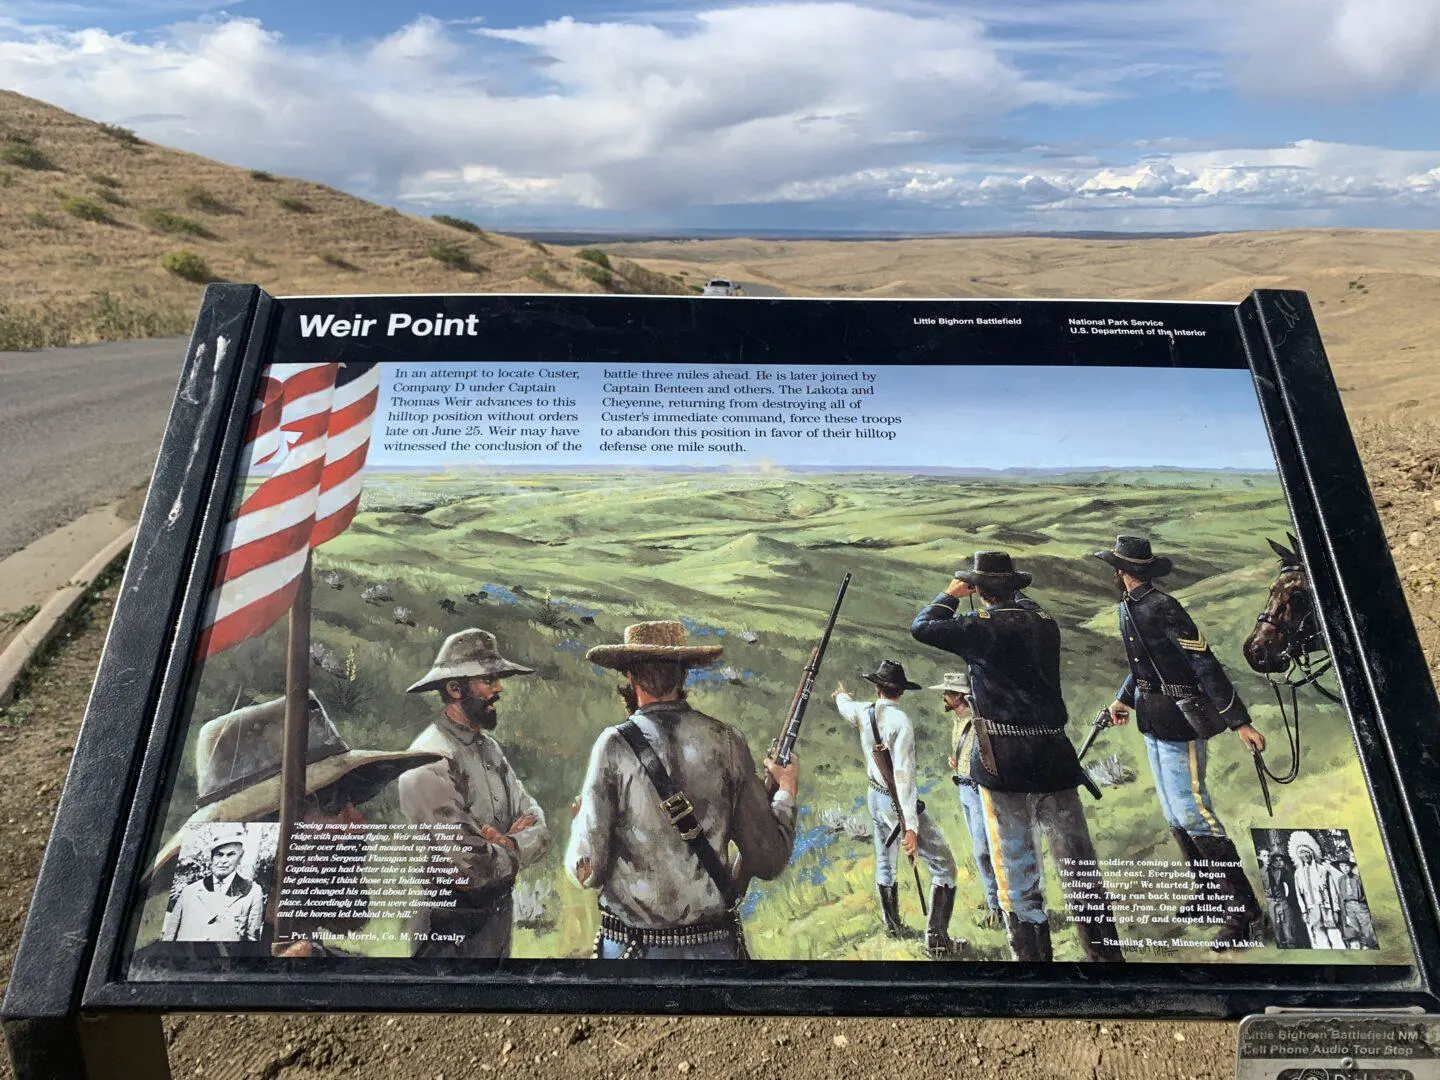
{"points": [[37, 732]]}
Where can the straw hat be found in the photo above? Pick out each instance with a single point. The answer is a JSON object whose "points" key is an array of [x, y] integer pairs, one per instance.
{"points": [[956, 682], [237, 767], [654, 641], [470, 654]]}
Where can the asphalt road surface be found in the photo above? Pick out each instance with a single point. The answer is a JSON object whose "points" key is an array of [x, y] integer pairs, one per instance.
{"points": [[79, 428], [754, 288]]}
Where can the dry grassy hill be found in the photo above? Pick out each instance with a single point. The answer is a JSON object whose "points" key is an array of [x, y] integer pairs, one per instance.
{"points": [[89, 214], [1377, 294]]}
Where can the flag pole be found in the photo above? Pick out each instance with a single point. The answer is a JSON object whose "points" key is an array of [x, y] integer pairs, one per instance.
{"points": [[297, 739]]}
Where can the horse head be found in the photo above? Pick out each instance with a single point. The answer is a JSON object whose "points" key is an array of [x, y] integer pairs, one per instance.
{"points": [[1287, 627]]}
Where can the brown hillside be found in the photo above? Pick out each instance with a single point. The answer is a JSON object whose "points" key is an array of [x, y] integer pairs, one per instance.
{"points": [[1376, 293], [66, 278], [88, 213]]}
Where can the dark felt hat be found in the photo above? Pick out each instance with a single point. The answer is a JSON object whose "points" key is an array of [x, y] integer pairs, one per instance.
{"points": [[993, 571], [1133, 555], [891, 676]]}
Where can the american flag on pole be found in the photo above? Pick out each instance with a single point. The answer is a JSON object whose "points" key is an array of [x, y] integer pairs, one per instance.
{"points": [[309, 431]]}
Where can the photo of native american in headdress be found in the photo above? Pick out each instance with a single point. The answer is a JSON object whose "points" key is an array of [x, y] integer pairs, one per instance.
{"points": [[1313, 889]]}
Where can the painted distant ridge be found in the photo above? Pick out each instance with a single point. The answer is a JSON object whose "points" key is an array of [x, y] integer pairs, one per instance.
{"points": [[959, 473]]}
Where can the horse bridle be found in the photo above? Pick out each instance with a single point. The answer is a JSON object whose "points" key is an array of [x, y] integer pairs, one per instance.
{"points": [[1299, 651], [1300, 646]]}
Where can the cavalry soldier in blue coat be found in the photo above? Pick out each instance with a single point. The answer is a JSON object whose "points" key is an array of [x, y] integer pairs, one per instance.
{"points": [[1021, 760], [1182, 698]]}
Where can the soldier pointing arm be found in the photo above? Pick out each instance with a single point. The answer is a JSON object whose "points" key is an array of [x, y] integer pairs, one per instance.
{"points": [[894, 800]]}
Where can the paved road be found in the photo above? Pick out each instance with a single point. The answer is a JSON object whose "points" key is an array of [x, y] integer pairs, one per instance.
{"points": [[754, 288], [79, 427]]}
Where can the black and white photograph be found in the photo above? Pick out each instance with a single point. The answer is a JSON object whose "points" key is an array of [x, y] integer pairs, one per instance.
{"points": [[221, 882], [1313, 891]]}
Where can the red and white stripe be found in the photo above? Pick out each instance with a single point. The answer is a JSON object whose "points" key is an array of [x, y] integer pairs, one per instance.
{"points": [[263, 438], [267, 541], [347, 442]]}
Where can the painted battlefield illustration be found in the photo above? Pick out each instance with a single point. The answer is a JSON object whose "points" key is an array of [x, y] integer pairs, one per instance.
{"points": [[826, 712]]}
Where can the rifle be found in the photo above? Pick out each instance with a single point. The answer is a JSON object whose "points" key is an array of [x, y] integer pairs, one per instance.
{"points": [[885, 765], [783, 748]]}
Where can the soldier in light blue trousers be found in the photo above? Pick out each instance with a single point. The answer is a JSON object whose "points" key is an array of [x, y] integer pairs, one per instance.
{"points": [[955, 688]]}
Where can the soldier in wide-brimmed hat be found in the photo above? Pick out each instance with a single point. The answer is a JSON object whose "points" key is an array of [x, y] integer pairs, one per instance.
{"points": [[1023, 765], [237, 770], [883, 723], [472, 785], [665, 795], [955, 693], [1182, 697]]}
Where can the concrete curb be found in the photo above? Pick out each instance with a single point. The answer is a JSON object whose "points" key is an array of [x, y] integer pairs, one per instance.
{"points": [[51, 618]]}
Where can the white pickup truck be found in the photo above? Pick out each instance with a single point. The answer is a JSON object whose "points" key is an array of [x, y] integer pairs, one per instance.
{"points": [[720, 287]]}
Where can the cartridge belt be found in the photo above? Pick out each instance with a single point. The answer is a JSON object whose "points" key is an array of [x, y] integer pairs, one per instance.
{"points": [[1018, 730], [724, 928], [1173, 690]]}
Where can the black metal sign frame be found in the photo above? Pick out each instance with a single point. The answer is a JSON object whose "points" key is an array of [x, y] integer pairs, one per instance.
{"points": [[69, 959]]}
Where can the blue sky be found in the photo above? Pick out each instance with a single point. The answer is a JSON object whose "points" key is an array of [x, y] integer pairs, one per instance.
{"points": [[1193, 418], [892, 114]]}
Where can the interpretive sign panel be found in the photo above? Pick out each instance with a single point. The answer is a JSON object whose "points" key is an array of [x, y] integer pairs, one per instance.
{"points": [[700, 654]]}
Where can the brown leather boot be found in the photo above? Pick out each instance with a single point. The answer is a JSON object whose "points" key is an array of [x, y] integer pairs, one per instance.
{"points": [[1189, 911], [890, 909], [938, 942]]}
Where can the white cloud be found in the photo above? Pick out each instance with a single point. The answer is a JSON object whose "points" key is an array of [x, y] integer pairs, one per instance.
{"points": [[809, 100], [1211, 189], [1337, 48], [720, 105]]}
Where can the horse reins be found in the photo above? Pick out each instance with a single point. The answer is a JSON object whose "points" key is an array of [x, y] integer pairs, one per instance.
{"points": [[1299, 655]]}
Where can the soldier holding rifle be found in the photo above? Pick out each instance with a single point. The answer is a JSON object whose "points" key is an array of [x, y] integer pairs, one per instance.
{"points": [[898, 817], [1024, 766], [665, 795]]}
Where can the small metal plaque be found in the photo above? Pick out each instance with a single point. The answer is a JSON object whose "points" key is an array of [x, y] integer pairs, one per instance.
{"points": [[1339, 1046]]}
